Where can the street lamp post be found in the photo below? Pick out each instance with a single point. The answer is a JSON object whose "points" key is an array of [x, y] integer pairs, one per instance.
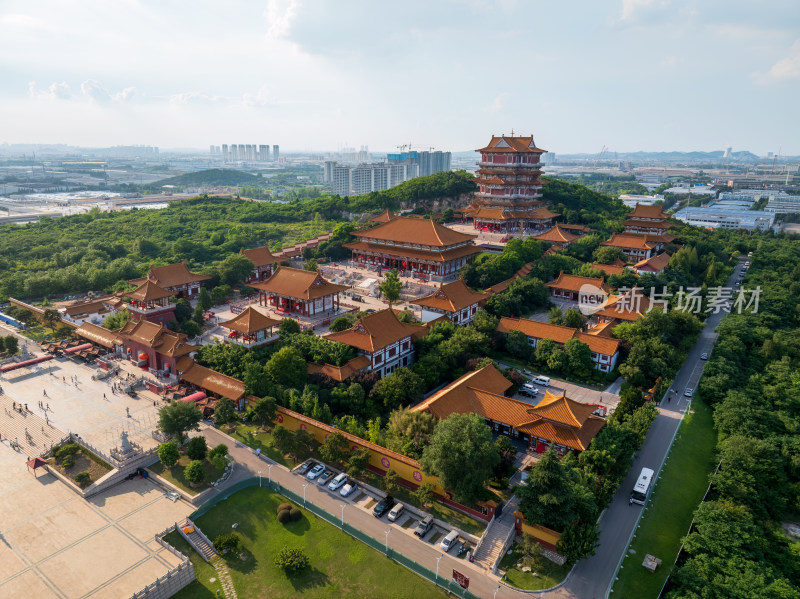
{"points": [[269, 473], [259, 479], [304, 493], [495, 592], [438, 559], [344, 505], [387, 541]]}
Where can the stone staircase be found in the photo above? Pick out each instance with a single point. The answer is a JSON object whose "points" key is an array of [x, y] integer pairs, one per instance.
{"points": [[488, 551], [198, 541], [13, 426]]}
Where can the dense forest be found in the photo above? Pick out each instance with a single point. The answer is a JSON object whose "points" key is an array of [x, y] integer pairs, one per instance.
{"points": [[737, 546]]}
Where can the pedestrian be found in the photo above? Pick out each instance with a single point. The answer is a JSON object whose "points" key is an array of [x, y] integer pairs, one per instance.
{"points": [[669, 398], [26, 407], [48, 406], [14, 404], [104, 397], [44, 393]]}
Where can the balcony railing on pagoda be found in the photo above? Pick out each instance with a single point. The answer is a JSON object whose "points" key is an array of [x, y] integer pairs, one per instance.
{"points": [[252, 340], [147, 307]]}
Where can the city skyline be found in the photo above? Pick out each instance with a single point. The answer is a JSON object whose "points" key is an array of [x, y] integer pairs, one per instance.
{"points": [[633, 75]]}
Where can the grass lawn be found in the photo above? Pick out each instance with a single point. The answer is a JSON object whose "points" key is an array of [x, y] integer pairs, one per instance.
{"points": [[439, 510], [549, 574], [176, 477], [37, 333], [203, 571], [259, 440], [683, 482], [340, 565], [85, 461]]}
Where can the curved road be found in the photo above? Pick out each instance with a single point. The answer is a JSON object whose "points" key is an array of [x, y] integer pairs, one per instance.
{"points": [[590, 579]]}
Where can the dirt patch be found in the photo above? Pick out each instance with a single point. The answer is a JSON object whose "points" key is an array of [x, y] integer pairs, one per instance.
{"points": [[371, 503], [83, 463], [434, 538], [408, 523], [359, 497]]}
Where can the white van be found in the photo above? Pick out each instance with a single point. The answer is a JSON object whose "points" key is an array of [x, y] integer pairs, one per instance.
{"points": [[394, 514], [448, 541], [544, 381]]}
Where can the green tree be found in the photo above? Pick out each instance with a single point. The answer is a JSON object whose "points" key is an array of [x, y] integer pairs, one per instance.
{"points": [[195, 472], [578, 541], [219, 450], [555, 315], [507, 452], [11, 343], [390, 287], [579, 357], [398, 389], [461, 454], [425, 494], [283, 440], [408, 431], [311, 264], [304, 442], [288, 327], [517, 345], [391, 482], [358, 462], [197, 448], [199, 315], [224, 411], [292, 560], [340, 324], [117, 320], [234, 269], [335, 449], [544, 349], [264, 412], [287, 367], [51, 318], [573, 318], [204, 299], [219, 293], [183, 310], [191, 328], [558, 361], [606, 254], [168, 454], [177, 418]]}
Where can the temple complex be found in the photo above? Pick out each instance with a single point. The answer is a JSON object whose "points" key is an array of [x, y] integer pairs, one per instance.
{"points": [[414, 246], [302, 292], [557, 236], [153, 346], [454, 300], [263, 261], [509, 188], [175, 278], [251, 328]]}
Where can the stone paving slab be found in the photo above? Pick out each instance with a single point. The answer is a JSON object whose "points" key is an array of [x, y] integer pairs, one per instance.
{"points": [[135, 578], [27, 585], [10, 563]]}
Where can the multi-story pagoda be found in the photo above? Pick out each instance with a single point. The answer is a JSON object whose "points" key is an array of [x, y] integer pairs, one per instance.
{"points": [[509, 188]]}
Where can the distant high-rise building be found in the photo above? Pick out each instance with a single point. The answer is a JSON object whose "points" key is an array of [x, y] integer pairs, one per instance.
{"points": [[263, 153], [427, 163], [212, 151], [340, 179], [242, 152], [225, 156], [275, 153]]}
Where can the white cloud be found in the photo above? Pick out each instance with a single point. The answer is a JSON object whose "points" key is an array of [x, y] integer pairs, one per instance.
{"points": [[279, 15], [95, 92], [498, 103], [186, 98], [56, 91], [262, 97], [125, 95], [785, 69], [631, 7], [669, 61]]}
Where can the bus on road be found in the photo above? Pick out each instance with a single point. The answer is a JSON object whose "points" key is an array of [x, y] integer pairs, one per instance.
{"points": [[642, 487]]}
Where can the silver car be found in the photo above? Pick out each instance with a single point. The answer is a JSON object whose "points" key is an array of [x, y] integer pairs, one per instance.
{"points": [[337, 482], [315, 472], [348, 488]]}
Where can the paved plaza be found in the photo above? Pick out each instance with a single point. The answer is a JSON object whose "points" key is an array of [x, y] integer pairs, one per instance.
{"points": [[54, 543]]}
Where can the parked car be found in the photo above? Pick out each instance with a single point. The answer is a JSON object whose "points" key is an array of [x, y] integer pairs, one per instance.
{"points": [[704, 356], [424, 526], [689, 392], [529, 390], [315, 472], [304, 467], [325, 477], [383, 506], [449, 541], [348, 488], [395, 512], [337, 482], [544, 381]]}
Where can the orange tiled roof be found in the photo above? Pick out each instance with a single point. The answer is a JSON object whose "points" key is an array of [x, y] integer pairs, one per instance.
{"points": [[628, 306], [603, 329], [383, 217], [97, 334], [575, 283], [423, 231], [340, 373], [299, 284], [452, 297], [375, 331], [609, 269], [628, 241], [213, 381], [599, 344], [646, 224], [642, 211], [402, 252], [654, 263], [90, 307], [556, 235], [171, 275], [443, 402], [250, 321], [149, 291], [581, 228], [509, 143], [260, 256], [536, 329], [157, 337]]}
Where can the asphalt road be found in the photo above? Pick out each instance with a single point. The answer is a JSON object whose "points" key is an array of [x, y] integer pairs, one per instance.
{"points": [[592, 578]]}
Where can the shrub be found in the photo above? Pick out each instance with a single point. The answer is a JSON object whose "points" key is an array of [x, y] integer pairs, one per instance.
{"points": [[284, 506], [295, 514], [194, 472], [197, 449], [220, 449], [228, 542], [292, 560], [219, 462], [82, 478], [68, 461], [284, 516], [68, 449]]}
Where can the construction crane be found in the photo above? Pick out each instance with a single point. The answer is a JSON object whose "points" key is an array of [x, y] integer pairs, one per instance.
{"points": [[602, 151]]}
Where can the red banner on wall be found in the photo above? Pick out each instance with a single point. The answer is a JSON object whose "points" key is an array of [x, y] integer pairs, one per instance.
{"points": [[461, 579]]}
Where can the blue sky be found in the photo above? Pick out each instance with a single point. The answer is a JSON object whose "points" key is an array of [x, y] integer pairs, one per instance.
{"points": [[630, 75]]}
